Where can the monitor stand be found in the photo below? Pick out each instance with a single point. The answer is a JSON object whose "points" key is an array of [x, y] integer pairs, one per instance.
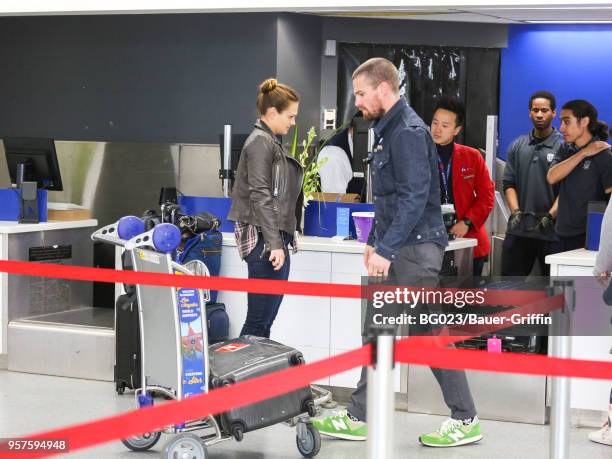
{"points": [[28, 203]]}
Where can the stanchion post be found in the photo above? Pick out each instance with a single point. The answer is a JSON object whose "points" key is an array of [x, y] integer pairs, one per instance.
{"points": [[560, 391], [225, 173], [381, 396]]}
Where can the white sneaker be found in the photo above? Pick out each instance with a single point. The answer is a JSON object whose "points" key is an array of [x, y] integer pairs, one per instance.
{"points": [[603, 435]]}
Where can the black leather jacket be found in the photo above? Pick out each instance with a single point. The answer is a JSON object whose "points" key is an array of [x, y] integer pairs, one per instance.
{"points": [[267, 185]]}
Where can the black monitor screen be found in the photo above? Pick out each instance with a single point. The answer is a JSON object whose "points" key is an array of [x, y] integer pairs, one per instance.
{"points": [[39, 158], [360, 145]]}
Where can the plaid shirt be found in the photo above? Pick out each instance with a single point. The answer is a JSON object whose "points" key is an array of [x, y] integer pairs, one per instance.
{"points": [[247, 237]]}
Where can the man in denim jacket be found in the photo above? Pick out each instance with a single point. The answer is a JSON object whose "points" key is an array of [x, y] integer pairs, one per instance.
{"points": [[408, 239]]}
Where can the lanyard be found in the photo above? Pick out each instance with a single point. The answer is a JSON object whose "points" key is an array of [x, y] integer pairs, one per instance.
{"points": [[445, 174]]}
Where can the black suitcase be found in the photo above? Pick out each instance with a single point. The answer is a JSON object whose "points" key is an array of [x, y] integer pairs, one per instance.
{"points": [[248, 357], [127, 343]]}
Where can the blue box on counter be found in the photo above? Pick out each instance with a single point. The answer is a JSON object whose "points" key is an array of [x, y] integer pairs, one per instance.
{"points": [[219, 207], [10, 203], [320, 217], [595, 214]]}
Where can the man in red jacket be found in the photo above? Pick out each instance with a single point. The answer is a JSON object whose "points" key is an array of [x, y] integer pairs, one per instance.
{"points": [[464, 179]]}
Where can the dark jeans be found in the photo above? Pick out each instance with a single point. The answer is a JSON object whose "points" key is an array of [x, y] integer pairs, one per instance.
{"points": [[567, 243], [262, 309], [478, 265], [520, 253], [413, 264]]}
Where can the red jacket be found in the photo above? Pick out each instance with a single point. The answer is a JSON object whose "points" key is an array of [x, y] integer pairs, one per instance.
{"points": [[473, 193]]}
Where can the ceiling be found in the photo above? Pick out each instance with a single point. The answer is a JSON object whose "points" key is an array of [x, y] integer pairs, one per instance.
{"points": [[483, 11]]}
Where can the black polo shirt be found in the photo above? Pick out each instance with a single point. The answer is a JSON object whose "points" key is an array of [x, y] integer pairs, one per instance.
{"points": [[587, 182]]}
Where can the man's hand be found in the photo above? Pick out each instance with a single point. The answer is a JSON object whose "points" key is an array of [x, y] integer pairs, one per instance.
{"points": [[460, 229], [277, 257], [515, 219], [378, 266], [594, 148], [367, 253]]}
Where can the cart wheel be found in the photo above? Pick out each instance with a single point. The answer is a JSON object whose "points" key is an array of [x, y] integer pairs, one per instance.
{"points": [[238, 432], [309, 443], [185, 446], [120, 388], [142, 442]]}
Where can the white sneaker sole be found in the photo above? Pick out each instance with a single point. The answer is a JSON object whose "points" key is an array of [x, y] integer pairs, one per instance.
{"points": [[343, 436], [601, 441], [465, 441]]}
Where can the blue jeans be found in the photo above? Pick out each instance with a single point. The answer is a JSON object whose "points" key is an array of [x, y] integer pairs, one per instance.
{"points": [[262, 309]]}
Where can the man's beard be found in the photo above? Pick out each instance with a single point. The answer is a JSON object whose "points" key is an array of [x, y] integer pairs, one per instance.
{"points": [[373, 115]]}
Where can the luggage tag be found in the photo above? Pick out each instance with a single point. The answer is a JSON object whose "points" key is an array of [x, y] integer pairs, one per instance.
{"points": [[494, 344]]}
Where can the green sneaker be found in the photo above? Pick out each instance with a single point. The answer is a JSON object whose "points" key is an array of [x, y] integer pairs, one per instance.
{"points": [[453, 433], [341, 426]]}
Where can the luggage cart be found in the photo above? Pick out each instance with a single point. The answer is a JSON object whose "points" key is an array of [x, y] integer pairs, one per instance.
{"points": [[174, 344]]}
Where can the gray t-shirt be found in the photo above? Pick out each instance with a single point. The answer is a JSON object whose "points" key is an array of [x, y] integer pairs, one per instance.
{"points": [[527, 162]]}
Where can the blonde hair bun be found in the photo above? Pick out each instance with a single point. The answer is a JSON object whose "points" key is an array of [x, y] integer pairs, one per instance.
{"points": [[268, 85]]}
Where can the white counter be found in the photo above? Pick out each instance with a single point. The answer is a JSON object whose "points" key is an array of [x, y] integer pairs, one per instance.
{"points": [[12, 227], [15, 240], [326, 244], [319, 327], [587, 394], [578, 257]]}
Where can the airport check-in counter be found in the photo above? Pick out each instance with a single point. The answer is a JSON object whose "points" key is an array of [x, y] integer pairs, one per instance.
{"points": [[33, 297]]}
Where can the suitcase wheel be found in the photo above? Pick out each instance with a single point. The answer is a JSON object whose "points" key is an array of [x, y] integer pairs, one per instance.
{"points": [[310, 408], [120, 388], [297, 359], [142, 442], [185, 445], [308, 440], [238, 431]]}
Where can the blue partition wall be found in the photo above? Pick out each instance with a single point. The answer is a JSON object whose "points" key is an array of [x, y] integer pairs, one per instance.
{"points": [[571, 61]]}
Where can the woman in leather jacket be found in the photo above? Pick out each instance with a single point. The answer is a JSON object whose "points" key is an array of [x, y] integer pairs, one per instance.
{"points": [[266, 189]]}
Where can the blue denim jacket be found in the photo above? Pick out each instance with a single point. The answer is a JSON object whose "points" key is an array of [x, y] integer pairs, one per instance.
{"points": [[405, 183]]}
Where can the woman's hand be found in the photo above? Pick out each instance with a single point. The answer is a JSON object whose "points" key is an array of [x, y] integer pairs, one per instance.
{"points": [[277, 258]]}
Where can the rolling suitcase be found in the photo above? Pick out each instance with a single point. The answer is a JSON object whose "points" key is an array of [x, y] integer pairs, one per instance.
{"points": [[127, 343], [248, 357]]}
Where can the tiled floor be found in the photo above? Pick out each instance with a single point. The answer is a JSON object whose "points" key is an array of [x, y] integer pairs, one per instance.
{"points": [[33, 403]]}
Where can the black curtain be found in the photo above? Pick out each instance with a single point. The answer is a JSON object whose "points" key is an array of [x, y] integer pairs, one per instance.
{"points": [[427, 74]]}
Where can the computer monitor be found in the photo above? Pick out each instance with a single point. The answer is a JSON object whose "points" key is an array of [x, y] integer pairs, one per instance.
{"points": [[360, 145], [39, 158]]}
